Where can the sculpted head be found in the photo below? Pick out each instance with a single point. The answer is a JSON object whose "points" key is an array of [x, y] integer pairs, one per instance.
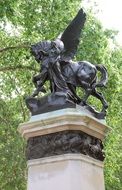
{"points": [[46, 48], [59, 45], [40, 50]]}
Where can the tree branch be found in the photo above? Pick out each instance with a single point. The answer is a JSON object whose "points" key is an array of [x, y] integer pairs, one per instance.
{"points": [[11, 68], [19, 95], [15, 47]]}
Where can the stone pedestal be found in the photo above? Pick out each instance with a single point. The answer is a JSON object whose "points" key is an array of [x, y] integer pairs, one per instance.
{"points": [[65, 172], [64, 150]]}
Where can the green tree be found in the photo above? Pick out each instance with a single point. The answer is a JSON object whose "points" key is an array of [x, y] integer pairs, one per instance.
{"points": [[30, 22]]}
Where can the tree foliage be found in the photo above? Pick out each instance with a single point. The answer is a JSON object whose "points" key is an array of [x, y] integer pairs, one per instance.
{"points": [[32, 21]]}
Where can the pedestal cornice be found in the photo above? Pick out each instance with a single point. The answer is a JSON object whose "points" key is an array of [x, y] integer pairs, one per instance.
{"points": [[61, 120]]}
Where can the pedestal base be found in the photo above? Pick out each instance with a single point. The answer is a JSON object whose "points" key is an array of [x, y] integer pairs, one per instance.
{"points": [[64, 150], [65, 172]]}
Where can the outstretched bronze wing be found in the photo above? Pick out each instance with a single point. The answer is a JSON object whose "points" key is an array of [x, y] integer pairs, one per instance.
{"points": [[71, 36]]}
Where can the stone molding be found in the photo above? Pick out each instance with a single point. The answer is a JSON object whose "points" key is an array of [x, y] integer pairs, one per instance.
{"points": [[65, 157], [62, 120]]}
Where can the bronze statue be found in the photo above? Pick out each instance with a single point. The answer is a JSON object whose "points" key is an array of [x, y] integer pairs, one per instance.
{"points": [[56, 65]]}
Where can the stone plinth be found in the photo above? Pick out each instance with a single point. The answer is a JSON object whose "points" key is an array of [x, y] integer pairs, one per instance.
{"points": [[64, 150], [61, 120], [65, 172]]}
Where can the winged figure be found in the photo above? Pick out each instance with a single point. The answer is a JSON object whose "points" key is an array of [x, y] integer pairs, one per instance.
{"points": [[56, 65]]}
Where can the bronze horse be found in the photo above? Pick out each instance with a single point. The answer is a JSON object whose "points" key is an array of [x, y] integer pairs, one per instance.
{"points": [[64, 74], [77, 74]]}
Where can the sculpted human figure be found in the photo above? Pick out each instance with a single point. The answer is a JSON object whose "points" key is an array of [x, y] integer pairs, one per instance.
{"points": [[56, 62], [50, 68]]}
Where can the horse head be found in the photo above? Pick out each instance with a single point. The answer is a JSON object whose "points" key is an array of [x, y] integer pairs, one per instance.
{"points": [[44, 49], [40, 50]]}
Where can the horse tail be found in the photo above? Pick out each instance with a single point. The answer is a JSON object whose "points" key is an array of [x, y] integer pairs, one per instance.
{"points": [[104, 77]]}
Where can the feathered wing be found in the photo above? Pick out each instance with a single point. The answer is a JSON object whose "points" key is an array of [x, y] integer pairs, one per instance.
{"points": [[71, 35]]}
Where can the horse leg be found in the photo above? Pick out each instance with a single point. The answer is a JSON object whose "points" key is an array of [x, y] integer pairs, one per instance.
{"points": [[41, 77], [88, 91], [73, 90], [99, 95], [85, 98]]}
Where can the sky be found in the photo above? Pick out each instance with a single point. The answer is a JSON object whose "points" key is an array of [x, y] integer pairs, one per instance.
{"points": [[110, 14]]}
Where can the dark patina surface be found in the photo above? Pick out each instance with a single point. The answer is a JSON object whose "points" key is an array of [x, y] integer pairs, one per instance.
{"points": [[57, 66], [64, 142]]}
